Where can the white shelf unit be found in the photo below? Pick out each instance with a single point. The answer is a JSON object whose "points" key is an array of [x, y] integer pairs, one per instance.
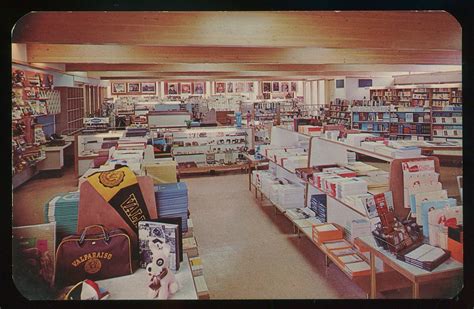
{"points": [[224, 144]]}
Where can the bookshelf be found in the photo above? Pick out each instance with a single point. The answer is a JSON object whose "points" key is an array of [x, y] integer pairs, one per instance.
{"points": [[339, 112], [446, 123], [432, 95], [70, 119], [406, 122], [373, 119]]}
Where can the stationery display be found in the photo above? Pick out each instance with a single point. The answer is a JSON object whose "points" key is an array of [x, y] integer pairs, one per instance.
{"points": [[427, 206], [357, 228], [424, 256], [172, 201], [96, 256], [63, 210], [439, 221]]}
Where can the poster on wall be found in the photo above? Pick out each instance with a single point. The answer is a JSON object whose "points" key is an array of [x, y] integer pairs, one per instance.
{"points": [[285, 87], [172, 88], [249, 87], [276, 87], [266, 95], [118, 88], [185, 88], [148, 88], [230, 87], [220, 87], [267, 87], [293, 86], [198, 87], [133, 87], [239, 87]]}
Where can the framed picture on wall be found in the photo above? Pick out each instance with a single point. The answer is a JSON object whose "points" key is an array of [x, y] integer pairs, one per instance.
{"points": [[172, 88], [249, 87], [267, 87], [118, 88], [239, 87], [220, 87], [185, 88], [198, 87], [230, 87], [266, 95], [149, 87], [276, 87], [133, 87], [293, 86], [285, 87]]}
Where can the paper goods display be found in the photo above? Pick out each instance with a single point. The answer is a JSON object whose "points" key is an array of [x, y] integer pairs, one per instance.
{"points": [[428, 206], [438, 222], [416, 173], [291, 196], [425, 197]]}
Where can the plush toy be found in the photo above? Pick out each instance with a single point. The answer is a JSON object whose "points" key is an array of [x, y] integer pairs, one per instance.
{"points": [[162, 282]]}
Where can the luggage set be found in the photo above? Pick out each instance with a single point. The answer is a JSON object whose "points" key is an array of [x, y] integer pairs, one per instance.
{"points": [[111, 205]]}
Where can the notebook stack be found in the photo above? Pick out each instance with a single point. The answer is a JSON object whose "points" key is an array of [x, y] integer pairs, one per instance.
{"points": [[172, 201], [63, 209]]}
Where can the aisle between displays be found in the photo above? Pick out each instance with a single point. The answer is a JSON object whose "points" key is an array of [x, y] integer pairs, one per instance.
{"points": [[113, 198], [334, 195]]}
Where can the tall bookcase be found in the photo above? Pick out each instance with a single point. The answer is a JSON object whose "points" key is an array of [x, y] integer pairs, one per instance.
{"points": [[70, 119], [339, 112]]}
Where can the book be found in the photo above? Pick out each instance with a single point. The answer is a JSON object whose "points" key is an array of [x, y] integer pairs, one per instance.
{"points": [[343, 251], [351, 258], [368, 203], [384, 202], [338, 244], [427, 196], [358, 268], [151, 230]]}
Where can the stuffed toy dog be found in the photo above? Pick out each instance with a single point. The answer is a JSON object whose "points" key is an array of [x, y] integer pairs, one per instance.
{"points": [[162, 282]]}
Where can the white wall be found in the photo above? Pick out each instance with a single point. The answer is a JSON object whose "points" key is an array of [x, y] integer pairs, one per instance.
{"points": [[321, 91], [19, 52], [340, 93], [314, 92], [429, 78], [307, 93]]}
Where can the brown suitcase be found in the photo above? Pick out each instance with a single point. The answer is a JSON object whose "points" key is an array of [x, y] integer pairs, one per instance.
{"points": [[93, 256]]}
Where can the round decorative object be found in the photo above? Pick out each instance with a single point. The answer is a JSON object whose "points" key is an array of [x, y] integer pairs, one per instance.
{"points": [[92, 266]]}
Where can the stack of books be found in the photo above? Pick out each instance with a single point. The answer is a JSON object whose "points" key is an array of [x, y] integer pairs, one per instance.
{"points": [[63, 209], [326, 232], [291, 196], [294, 162], [357, 228], [300, 213], [172, 201], [319, 206]]}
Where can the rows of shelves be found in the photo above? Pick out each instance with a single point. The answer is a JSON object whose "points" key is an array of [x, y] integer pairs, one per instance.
{"points": [[419, 96]]}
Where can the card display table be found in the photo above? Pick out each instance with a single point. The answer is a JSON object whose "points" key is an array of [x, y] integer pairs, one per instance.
{"points": [[416, 275]]}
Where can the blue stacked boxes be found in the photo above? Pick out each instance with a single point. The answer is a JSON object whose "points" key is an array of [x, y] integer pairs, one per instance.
{"points": [[172, 201], [63, 209]]}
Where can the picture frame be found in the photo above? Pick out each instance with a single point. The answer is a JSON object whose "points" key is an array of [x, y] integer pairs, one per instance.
{"points": [[148, 87], [133, 87], [239, 87], [186, 88], [275, 87], [220, 87], [199, 88], [294, 87], [250, 87], [267, 87], [284, 87], [119, 88], [173, 88], [266, 95], [230, 87]]}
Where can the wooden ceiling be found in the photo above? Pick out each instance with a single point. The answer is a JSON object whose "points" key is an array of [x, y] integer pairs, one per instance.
{"points": [[301, 45]]}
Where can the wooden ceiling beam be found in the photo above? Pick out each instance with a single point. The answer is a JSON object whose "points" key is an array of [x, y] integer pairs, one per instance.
{"points": [[232, 67], [246, 75], [69, 53], [322, 29]]}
